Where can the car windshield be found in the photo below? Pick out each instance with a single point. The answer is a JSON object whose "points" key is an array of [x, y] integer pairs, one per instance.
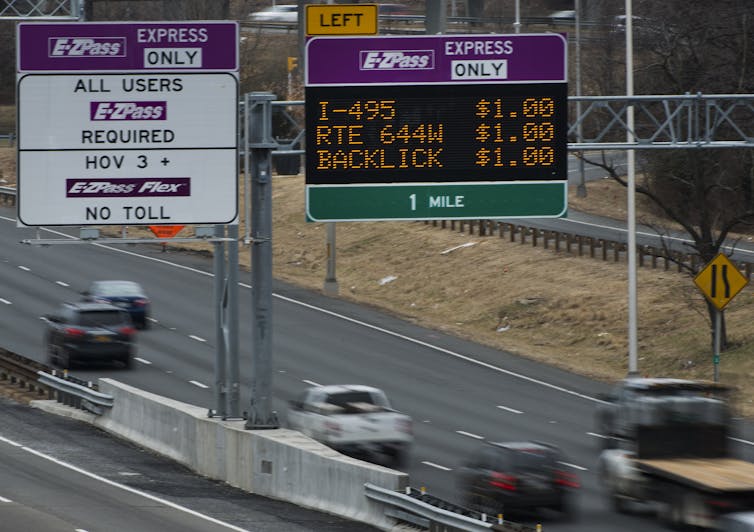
{"points": [[119, 289], [343, 399], [101, 318], [532, 459]]}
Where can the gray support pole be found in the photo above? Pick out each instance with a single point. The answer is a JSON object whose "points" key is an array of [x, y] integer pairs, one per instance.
{"points": [[716, 354], [436, 17], [259, 107], [234, 407], [220, 349], [331, 282]]}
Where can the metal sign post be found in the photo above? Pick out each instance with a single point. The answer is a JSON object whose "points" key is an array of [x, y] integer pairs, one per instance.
{"points": [[720, 281], [259, 135]]}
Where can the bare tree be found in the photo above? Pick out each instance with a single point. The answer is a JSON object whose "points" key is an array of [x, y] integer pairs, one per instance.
{"points": [[683, 47]]}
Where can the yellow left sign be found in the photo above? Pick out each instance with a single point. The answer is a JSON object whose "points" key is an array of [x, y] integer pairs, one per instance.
{"points": [[341, 19]]}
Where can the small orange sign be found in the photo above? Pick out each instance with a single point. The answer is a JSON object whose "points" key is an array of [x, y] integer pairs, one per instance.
{"points": [[166, 231]]}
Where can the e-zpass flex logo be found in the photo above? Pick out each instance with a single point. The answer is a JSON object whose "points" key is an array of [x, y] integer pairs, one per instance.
{"points": [[396, 59], [86, 46]]}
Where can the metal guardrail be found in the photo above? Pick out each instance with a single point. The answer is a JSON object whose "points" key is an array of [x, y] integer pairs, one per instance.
{"points": [[76, 393], [8, 195], [432, 513], [38, 378], [22, 372]]}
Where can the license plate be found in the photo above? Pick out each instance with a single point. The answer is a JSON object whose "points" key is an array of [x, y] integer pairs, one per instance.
{"points": [[102, 338]]}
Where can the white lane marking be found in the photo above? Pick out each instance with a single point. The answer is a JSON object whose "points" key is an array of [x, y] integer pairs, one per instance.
{"points": [[437, 466], [470, 435], [61, 283], [5, 301], [3, 499], [24, 268], [597, 435], [310, 383], [348, 319], [80, 530], [199, 384], [135, 491], [574, 466], [653, 235], [143, 361], [739, 440], [152, 320], [10, 442], [197, 338], [509, 409]]}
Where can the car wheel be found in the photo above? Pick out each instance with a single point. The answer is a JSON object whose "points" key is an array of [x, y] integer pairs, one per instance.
{"points": [[51, 356], [400, 458], [64, 358], [567, 509]]}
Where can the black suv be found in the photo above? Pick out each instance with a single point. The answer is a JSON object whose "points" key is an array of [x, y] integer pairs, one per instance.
{"points": [[518, 477], [89, 332]]}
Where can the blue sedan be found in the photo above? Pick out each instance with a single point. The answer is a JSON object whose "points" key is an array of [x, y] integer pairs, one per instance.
{"points": [[127, 295]]}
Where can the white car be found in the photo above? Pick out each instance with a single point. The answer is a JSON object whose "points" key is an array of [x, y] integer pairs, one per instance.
{"points": [[279, 13], [353, 418]]}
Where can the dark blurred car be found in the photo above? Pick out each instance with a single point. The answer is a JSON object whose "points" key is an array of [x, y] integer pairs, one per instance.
{"points": [[124, 294], [518, 478], [89, 332]]}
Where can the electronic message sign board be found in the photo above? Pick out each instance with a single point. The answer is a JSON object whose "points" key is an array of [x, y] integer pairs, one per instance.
{"points": [[436, 127], [127, 123]]}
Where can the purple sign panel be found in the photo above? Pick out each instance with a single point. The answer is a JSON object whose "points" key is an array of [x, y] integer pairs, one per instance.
{"points": [[151, 187], [519, 58], [138, 46]]}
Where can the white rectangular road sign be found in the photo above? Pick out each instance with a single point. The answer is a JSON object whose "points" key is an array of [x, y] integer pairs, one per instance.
{"points": [[130, 149]]}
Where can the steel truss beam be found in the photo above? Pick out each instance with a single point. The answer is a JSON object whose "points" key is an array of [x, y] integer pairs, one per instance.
{"points": [[40, 9], [663, 122]]}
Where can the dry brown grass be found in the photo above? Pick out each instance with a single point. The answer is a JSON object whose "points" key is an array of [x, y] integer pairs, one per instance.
{"points": [[553, 307]]}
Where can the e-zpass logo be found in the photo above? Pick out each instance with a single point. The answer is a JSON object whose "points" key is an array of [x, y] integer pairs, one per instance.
{"points": [[128, 110], [397, 59], [87, 47]]}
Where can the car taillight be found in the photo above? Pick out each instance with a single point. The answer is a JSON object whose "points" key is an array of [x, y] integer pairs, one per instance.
{"points": [[501, 480], [128, 331], [404, 425], [567, 479], [141, 302], [332, 427], [74, 331]]}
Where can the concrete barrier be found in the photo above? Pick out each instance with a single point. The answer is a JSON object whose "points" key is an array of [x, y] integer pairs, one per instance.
{"points": [[281, 463]]}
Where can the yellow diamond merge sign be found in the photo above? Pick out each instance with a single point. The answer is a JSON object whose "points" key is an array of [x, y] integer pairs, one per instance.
{"points": [[720, 281]]}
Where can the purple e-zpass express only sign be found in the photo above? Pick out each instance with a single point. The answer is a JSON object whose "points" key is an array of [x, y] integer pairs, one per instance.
{"points": [[94, 46], [520, 58]]}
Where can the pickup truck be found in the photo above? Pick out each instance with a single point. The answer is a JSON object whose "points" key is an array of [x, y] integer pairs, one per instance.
{"points": [[673, 453], [632, 400], [353, 419]]}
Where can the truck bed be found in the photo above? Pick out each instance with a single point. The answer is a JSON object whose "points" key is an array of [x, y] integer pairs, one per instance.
{"points": [[709, 474]]}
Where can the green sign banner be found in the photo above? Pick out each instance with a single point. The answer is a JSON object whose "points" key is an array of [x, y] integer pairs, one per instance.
{"points": [[436, 201]]}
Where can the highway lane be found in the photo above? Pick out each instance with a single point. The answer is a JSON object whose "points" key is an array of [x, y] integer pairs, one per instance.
{"points": [[456, 391], [61, 475]]}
